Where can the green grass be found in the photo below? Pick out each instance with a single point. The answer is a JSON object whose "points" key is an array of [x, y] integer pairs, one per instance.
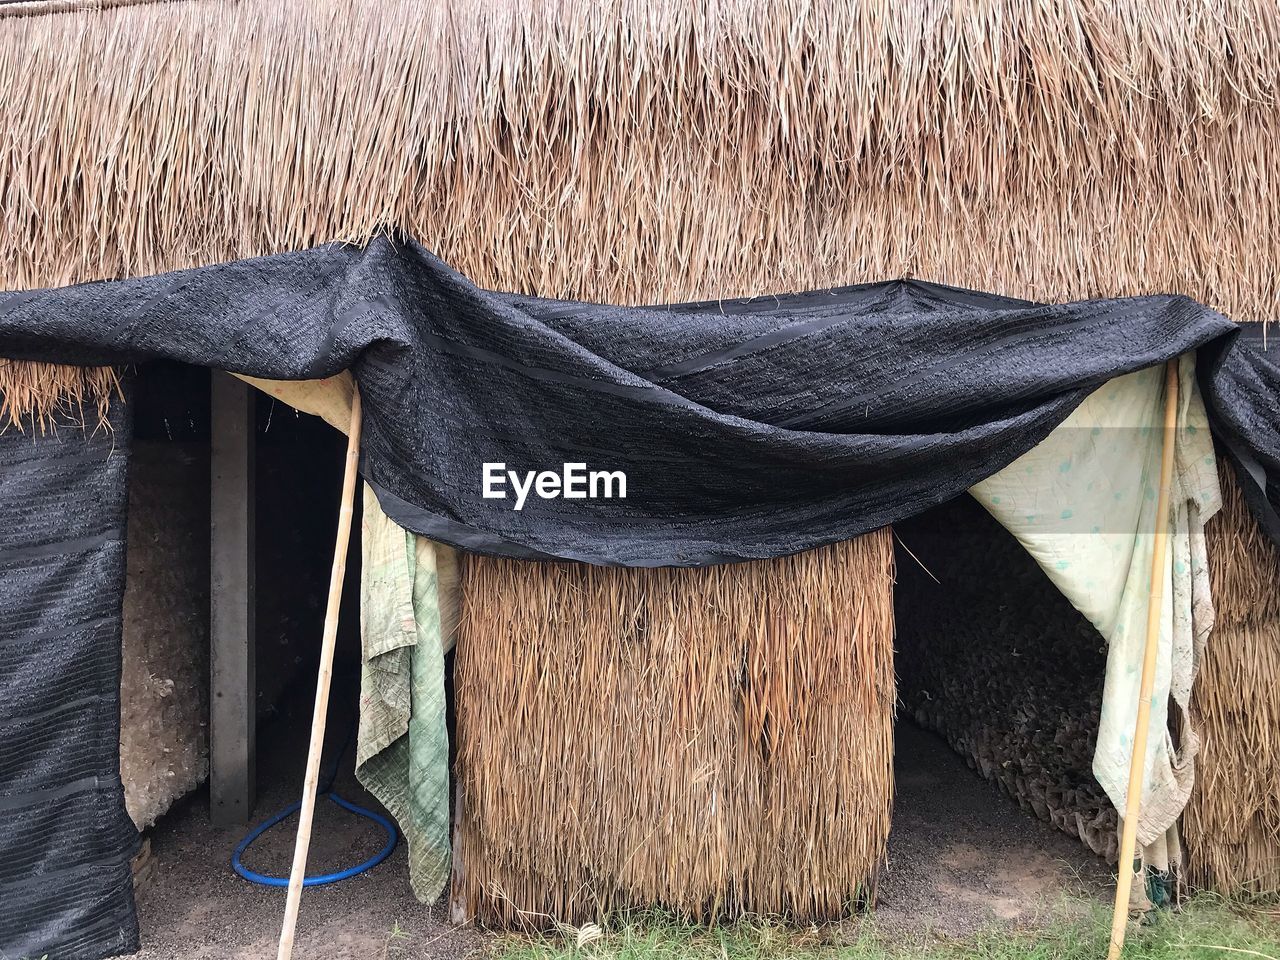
{"points": [[1206, 929], [398, 942]]}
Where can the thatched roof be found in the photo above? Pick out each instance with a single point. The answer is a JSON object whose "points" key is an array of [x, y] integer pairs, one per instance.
{"points": [[639, 150]]}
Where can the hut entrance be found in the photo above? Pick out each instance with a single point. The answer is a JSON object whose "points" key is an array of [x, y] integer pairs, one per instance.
{"points": [[995, 663], [166, 662], [186, 878]]}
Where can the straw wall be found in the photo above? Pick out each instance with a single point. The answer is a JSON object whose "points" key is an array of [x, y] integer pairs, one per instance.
{"points": [[716, 741], [1232, 822], [995, 659]]}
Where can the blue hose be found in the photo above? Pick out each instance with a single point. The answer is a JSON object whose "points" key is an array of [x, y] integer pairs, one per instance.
{"points": [[316, 881]]}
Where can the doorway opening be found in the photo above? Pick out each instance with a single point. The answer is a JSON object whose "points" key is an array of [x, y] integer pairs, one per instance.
{"points": [[999, 692]]}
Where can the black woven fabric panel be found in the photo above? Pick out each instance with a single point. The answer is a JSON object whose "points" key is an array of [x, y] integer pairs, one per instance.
{"points": [[1243, 389], [66, 888], [750, 428]]}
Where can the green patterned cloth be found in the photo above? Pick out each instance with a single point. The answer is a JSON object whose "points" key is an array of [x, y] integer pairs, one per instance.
{"points": [[407, 596], [408, 609]]}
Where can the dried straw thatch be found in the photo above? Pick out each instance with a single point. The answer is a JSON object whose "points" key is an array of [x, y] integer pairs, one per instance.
{"points": [[715, 740], [650, 150], [1232, 822]]}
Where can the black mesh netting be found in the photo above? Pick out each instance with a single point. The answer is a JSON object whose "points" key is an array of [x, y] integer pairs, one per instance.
{"points": [[746, 429], [66, 888]]}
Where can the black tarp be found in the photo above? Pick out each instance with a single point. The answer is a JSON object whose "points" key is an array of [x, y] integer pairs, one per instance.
{"points": [[66, 887], [746, 428], [1242, 385]]}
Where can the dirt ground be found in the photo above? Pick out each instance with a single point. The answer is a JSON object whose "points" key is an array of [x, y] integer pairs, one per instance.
{"points": [[192, 906], [961, 857]]}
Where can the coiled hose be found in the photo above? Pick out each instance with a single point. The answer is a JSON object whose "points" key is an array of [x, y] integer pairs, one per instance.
{"points": [[319, 880]]}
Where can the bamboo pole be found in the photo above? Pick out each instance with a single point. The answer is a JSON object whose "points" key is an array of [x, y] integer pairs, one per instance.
{"points": [[310, 784], [1137, 765]]}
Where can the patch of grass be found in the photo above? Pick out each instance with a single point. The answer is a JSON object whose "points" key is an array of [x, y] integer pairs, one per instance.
{"points": [[1205, 929], [397, 942]]}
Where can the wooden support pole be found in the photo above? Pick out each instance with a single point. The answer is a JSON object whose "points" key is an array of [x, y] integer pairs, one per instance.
{"points": [[311, 783], [1138, 764], [232, 679]]}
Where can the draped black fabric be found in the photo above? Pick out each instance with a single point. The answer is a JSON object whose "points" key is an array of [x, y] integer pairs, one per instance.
{"points": [[1242, 386], [746, 428], [66, 887]]}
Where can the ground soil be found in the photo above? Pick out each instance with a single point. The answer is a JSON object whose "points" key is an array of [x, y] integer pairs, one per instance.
{"points": [[192, 906], [961, 857]]}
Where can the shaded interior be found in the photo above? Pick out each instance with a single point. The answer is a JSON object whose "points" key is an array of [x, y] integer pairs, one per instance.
{"points": [[994, 659], [165, 674]]}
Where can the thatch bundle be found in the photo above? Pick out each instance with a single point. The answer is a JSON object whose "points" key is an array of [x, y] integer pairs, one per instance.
{"points": [[651, 150], [1232, 822], [715, 740]]}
